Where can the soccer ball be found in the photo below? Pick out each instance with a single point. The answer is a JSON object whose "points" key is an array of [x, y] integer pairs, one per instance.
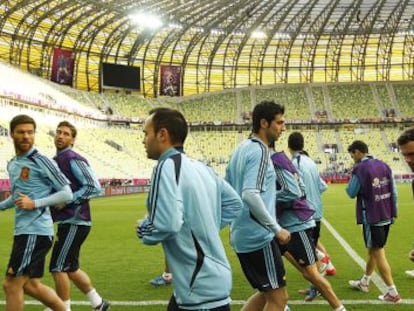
{"points": [[323, 261]]}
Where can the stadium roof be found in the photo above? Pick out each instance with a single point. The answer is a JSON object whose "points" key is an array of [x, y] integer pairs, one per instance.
{"points": [[219, 43]]}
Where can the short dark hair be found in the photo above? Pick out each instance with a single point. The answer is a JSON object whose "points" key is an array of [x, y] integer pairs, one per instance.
{"points": [[21, 119], [358, 145], [406, 137], [267, 110], [296, 141], [69, 125], [173, 121]]}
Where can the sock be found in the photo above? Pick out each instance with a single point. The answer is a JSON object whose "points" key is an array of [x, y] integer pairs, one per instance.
{"points": [[341, 308], [67, 304], [330, 266], [392, 290], [320, 254], [167, 275], [365, 279], [94, 298]]}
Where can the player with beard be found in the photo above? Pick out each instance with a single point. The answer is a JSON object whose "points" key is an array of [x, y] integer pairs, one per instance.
{"points": [[250, 171], [32, 177]]}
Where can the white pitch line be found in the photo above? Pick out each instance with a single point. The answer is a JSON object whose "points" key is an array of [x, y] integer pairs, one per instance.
{"points": [[354, 255], [351, 252], [234, 302]]}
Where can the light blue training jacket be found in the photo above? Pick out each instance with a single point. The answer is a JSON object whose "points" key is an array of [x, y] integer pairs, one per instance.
{"points": [[187, 206]]}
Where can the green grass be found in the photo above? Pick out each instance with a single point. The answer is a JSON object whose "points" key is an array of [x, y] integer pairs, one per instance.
{"points": [[120, 266]]}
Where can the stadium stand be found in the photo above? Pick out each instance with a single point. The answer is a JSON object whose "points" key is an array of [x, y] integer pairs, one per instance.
{"points": [[219, 121], [353, 102], [404, 98]]}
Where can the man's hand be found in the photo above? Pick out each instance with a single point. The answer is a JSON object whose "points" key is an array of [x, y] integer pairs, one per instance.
{"points": [[60, 206], [140, 227], [24, 202], [283, 236]]}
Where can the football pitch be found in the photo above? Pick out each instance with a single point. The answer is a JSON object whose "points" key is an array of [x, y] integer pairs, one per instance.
{"points": [[121, 267]]}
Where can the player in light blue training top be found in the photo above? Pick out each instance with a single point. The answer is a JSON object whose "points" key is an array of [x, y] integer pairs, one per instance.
{"points": [[33, 178], [314, 187], [295, 214], [187, 206], [250, 172]]}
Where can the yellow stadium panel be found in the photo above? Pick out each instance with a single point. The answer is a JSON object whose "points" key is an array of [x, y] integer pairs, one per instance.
{"points": [[344, 74], [243, 62], [294, 63], [5, 47], [294, 75], [268, 76], [319, 63], [319, 76], [242, 77], [189, 78], [94, 67], [397, 59], [370, 75], [373, 39], [35, 55], [370, 58], [396, 73], [398, 46], [80, 79]]}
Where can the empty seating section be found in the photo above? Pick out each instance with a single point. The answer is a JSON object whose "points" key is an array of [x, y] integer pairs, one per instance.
{"points": [[384, 99], [319, 103], [214, 147], [352, 102], [127, 105], [246, 102], [292, 97], [220, 107], [405, 98]]}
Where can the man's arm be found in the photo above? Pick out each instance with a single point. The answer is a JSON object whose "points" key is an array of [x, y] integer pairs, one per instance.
{"points": [[394, 193], [231, 203], [90, 186], [288, 186], [61, 196], [254, 182], [7, 203], [258, 209], [165, 206], [353, 187], [58, 181], [322, 185]]}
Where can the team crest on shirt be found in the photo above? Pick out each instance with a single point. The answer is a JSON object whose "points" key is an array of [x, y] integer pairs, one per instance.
{"points": [[24, 173]]}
